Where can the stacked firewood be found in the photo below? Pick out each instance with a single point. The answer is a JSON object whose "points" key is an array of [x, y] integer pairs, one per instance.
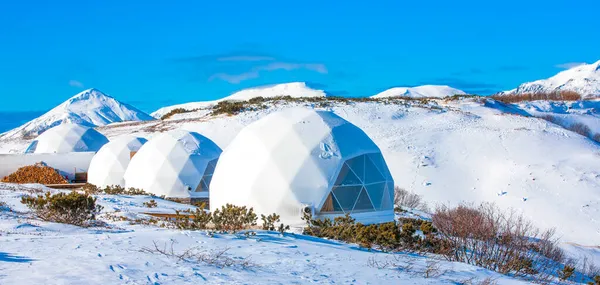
{"points": [[38, 173]]}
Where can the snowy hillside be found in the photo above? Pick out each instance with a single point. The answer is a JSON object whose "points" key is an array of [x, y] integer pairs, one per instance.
{"points": [[463, 150], [293, 89], [425, 91], [447, 151], [582, 115], [583, 79], [90, 107], [38, 252]]}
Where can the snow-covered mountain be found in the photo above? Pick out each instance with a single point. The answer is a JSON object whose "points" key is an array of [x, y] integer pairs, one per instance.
{"points": [[431, 91], [583, 79], [293, 89], [90, 107]]}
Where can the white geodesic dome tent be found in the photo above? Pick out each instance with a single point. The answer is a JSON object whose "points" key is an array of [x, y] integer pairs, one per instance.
{"points": [[108, 166], [300, 159], [67, 137], [177, 164]]}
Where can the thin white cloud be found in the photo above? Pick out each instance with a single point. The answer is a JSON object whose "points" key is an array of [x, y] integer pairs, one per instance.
{"points": [[246, 58], [75, 83], [569, 65], [255, 71]]}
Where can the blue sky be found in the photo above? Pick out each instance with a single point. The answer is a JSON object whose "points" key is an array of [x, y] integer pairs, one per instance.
{"points": [[156, 53]]}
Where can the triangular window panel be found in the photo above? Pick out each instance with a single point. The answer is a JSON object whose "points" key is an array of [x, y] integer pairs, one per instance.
{"points": [[379, 162], [210, 167], [200, 186], [386, 203], [363, 203], [331, 205], [346, 196], [376, 193], [372, 174], [207, 180], [347, 177], [357, 165]]}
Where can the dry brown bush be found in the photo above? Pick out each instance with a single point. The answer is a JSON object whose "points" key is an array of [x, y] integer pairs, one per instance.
{"points": [[406, 199], [580, 129], [217, 257], [503, 242], [38, 173], [564, 95]]}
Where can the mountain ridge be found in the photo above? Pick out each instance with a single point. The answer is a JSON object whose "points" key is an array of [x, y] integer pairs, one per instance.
{"points": [[583, 79], [90, 107]]}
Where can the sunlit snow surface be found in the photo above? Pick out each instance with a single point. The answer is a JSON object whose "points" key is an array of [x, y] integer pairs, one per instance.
{"points": [[37, 252]]}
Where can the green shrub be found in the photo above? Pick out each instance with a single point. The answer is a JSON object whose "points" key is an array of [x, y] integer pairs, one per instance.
{"points": [[427, 228], [566, 272], [229, 107], [196, 220], [231, 219], [150, 204], [73, 208], [269, 221], [282, 228], [175, 112], [91, 189]]}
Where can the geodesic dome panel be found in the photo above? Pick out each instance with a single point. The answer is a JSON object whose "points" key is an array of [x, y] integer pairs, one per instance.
{"points": [[108, 166], [292, 159], [66, 138], [361, 186], [173, 164]]}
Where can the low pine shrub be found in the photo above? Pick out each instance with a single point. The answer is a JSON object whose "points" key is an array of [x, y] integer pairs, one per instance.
{"points": [[232, 219], [269, 223], [386, 236], [175, 112], [192, 220], [73, 208], [150, 204], [566, 273], [113, 190]]}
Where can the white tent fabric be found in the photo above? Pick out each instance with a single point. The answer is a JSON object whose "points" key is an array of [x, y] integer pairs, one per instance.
{"points": [[177, 164], [66, 138], [108, 166], [299, 158]]}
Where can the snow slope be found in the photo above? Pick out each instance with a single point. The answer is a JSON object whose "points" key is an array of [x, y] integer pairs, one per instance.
{"points": [[293, 89], [90, 107], [567, 114], [456, 151], [583, 79], [38, 252], [431, 91]]}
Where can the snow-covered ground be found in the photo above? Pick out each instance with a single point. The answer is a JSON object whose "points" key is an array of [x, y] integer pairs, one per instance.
{"points": [[37, 252]]}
